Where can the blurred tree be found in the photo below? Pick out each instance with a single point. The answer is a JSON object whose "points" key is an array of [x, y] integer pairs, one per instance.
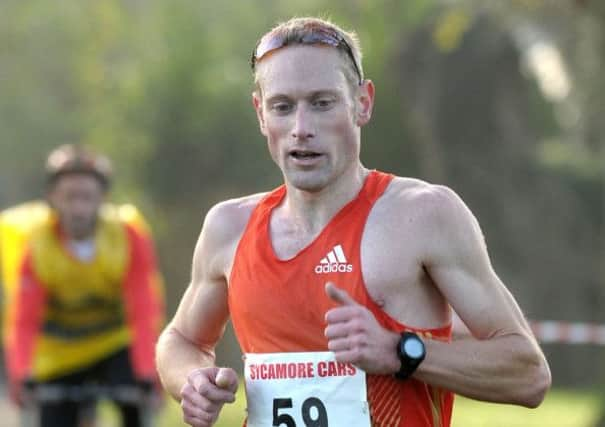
{"points": [[487, 124], [500, 100]]}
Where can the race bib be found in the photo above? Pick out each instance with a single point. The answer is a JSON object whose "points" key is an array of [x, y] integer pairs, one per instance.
{"points": [[304, 390]]}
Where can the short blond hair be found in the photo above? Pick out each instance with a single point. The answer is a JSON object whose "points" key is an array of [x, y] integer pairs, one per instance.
{"points": [[298, 30]]}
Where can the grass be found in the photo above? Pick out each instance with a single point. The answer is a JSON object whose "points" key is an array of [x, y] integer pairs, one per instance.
{"points": [[561, 408]]}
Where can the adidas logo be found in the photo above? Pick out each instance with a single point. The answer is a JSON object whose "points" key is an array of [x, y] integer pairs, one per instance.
{"points": [[334, 262]]}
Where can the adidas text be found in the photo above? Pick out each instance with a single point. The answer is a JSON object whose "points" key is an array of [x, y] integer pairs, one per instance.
{"points": [[333, 268]]}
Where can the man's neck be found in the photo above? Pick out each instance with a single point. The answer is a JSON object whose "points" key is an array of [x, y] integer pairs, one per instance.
{"points": [[83, 250], [311, 211]]}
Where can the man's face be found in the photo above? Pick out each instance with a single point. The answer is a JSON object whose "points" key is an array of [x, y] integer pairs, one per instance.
{"points": [[77, 198], [310, 114]]}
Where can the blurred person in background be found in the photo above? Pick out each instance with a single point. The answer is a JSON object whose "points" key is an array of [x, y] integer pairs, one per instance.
{"points": [[82, 292], [341, 283]]}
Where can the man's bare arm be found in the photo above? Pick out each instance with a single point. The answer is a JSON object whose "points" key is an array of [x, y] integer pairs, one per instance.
{"points": [[501, 361], [179, 353], [188, 342]]}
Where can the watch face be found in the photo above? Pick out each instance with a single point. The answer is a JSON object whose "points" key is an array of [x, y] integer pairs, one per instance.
{"points": [[413, 348]]}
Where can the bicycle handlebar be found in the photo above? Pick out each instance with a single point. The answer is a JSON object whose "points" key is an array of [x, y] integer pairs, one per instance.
{"points": [[49, 393]]}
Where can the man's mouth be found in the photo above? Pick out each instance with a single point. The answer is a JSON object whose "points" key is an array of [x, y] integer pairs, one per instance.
{"points": [[302, 155]]}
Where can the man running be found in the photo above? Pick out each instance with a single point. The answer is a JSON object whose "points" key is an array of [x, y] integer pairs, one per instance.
{"points": [[341, 283]]}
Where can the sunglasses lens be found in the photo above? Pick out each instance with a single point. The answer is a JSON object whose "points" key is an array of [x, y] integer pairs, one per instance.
{"points": [[267, 45], [321, 37]]}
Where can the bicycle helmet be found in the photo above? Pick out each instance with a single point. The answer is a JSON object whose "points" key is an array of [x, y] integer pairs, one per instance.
{"points": [[71, 158]]}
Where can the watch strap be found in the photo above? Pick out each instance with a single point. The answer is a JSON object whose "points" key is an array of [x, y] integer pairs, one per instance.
{"points": [[408, 364]]}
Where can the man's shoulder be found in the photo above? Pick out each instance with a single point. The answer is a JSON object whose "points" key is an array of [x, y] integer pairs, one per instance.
{"points": [[223, 227], [424, 214], [421, 202], [420, 193], [236, 208], [229, 217], [238, 204], [127, 215], [26, 216]]}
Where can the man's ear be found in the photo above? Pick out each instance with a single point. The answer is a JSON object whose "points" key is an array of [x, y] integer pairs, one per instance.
{"points": [[365, 102], [257, 101]]}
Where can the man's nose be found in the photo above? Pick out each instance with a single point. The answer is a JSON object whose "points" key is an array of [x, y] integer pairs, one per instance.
{"points": [[303, 124], [80, 207]]}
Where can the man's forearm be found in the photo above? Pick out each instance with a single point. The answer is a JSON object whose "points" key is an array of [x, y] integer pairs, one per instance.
{"points": [[176, 357], [505, 369]]}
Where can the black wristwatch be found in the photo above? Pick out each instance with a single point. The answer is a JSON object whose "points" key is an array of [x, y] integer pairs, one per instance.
{"points": [[411, 352]]}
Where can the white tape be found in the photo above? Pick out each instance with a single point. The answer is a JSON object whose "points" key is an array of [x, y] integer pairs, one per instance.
{"points": [[550, 331]]}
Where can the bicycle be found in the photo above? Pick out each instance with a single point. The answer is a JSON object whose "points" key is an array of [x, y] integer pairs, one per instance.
{"points": [[87, 396]]}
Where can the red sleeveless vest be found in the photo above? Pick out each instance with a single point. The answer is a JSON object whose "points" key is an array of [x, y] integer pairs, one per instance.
{"points": [[279, 305]]}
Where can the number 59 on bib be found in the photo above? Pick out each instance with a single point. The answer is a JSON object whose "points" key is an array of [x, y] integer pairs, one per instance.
{"points": [[304, 390]]}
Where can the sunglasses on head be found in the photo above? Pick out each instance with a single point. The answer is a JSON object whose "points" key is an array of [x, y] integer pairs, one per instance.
{"points": [[327, 36]]}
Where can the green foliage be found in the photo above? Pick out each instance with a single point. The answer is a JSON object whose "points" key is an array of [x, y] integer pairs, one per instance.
{"points": [[163, 86]]}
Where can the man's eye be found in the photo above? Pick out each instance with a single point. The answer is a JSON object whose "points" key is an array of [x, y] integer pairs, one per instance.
{"points": [[281, 107], [322, 103]]}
